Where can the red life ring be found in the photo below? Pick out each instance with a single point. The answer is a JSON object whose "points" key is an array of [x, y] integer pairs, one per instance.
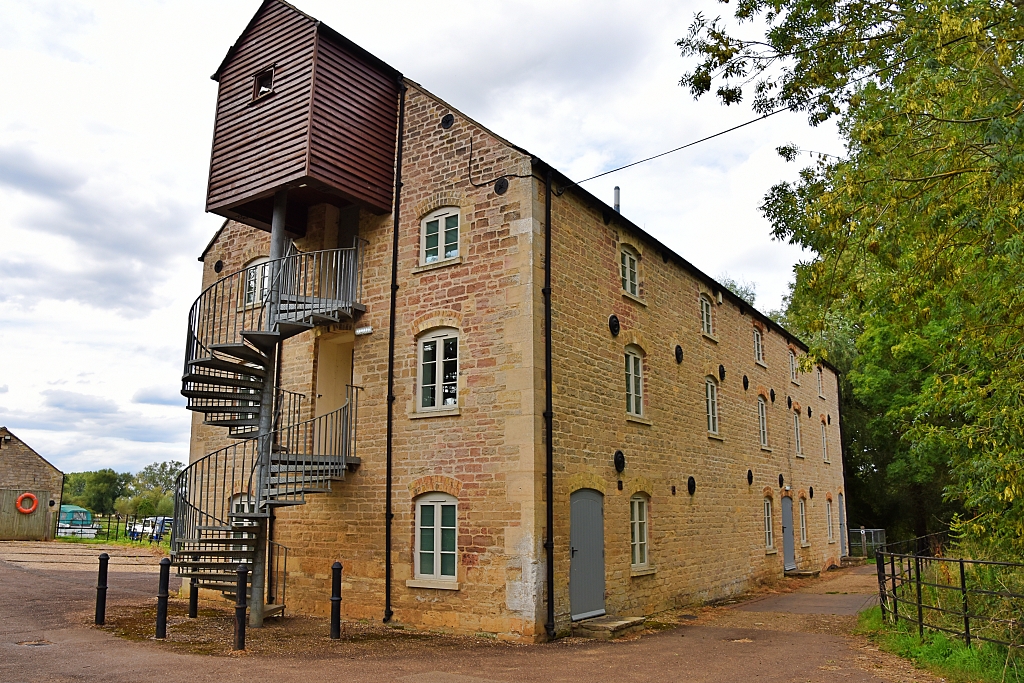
{"points": [[21, 499]]}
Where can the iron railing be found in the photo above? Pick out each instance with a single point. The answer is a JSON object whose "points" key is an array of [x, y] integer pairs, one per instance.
{"points": [[277, 575], [968, 598]]}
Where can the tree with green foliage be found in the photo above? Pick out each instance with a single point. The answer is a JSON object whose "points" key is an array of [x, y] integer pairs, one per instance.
{"points": [[916, 235]]}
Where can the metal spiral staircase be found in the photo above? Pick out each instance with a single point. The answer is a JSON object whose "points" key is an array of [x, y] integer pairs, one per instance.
{"points": [[223, 500]]}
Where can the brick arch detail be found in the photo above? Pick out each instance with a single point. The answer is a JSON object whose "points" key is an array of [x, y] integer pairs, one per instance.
{"points": [[635, 338], [824, 418], [626, 240], [638, 485], [796, 406], [828, 496], [802, 493], [435, 482], [786, 494], [763, 391], [760, 326], [443, 198], [587, 480], [251, 253], [441, 318], [768, 492]]}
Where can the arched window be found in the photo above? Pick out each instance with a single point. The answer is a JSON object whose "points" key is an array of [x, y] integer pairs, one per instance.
{"points": [[793, 376], [803, 521], [769, 536], [711, 399], [762, 420], [796, 433], [436, 534], [824, 442], [638, 531], [628, 267], [439, 369], [821, 387], [439, 235], [257, 281], [758, 347], [828, 520], [706, 323], [634, 381]]}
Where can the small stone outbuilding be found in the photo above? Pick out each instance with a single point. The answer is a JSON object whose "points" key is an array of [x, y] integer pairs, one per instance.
{"points": [[23, 471]]}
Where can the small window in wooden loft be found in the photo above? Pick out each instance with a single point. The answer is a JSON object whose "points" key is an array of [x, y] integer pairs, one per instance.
{"points": [[263, 84]]}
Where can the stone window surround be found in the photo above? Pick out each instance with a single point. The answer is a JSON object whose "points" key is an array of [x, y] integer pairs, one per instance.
{"points": [[434, 581], [439, 409], [440, 212]]}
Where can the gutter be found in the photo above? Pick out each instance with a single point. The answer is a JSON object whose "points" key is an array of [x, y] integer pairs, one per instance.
{"points": [[388, 514], [549, 543]]}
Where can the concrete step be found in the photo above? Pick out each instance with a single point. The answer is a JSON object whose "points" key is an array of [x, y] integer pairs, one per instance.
{"points": [[802, 573], [607, 627]]}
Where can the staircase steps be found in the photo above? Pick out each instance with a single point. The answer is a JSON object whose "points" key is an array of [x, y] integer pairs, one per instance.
{"points": [[235, 422], [194, 378], [264, 340], [215, 363], [240, 410], [290, 329], [242, 352], [220, 395]]}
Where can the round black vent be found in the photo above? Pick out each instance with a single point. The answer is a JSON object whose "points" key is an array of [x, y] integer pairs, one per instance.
{"points": [[808, 411], [789, 401], [829, 418], [750, 477], [218, 266], [620, 461], [810, 492], [691, 485], [679, 353], [746, 383], [501, 185], [771, 394], [613, 325], [782, 481], [447, 121], [721, 372], [673, 490]]}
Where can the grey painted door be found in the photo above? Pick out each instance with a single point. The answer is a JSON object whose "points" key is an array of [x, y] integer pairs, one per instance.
{"points": [[844, 536], [788, 550], [586, 548]]}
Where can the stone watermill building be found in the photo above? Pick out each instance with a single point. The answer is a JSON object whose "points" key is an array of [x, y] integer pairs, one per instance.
{"points": [[420, 350]]}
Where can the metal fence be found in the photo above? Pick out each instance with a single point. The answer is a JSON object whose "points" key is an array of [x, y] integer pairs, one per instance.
{"points": [[972, 599], [863, 542], [132, 528]]}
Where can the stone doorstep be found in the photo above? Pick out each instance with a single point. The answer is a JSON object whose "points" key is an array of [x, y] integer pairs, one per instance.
{"points": [[607, 627], [803, 573]]}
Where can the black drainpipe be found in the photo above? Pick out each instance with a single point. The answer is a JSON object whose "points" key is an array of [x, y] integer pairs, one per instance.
{"points": [[549, 543], [388, 515]]}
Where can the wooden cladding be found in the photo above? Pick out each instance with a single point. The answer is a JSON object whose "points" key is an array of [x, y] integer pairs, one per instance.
{"points": [[327, 125]]}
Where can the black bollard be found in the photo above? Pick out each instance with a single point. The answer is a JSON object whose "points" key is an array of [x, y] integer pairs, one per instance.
{"points": [[101, 591], [193, 595], [336, 601], [161, 599], [240, 588]]}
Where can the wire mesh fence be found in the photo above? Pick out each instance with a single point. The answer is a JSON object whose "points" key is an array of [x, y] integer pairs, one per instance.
{"points": [[863, 542]]}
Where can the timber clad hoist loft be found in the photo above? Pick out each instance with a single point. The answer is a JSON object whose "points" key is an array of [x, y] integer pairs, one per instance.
{"points": [[304, 118]]}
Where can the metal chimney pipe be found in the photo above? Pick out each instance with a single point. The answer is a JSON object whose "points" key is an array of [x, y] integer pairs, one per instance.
{"points": [[617, 199]]}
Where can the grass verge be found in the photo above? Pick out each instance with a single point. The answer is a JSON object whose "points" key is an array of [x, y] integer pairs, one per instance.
{"points": [[162, 548], [943, 654]]}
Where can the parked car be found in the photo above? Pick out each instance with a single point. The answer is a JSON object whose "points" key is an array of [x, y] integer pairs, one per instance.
{"points": [[152, 529]]}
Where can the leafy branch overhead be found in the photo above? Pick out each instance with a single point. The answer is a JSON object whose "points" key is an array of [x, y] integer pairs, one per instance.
{"points": [[917, 235]]}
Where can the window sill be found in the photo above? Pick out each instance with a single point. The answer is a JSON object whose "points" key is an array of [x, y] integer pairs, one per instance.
{"points": [[641, 571], [801, 456], [709, 337], [805, 545], [832, 542], [761, 363], [633, 297], [716, 437], [794, 382], [638, 419], [436, 584], [451, 412], [766, 449], [771, 551], [437, 264], [827, 462], [821, 395]]}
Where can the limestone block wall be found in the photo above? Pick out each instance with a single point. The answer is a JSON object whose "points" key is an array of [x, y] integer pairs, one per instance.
{"points": [[22, 469], [712, 543]]}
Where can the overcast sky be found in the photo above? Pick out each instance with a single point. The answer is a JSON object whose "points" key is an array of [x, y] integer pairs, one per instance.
{"points": [[105, 127]]}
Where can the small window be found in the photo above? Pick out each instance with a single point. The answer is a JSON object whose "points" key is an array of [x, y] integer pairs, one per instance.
{"points": [[828, 520], [824, 442], [439, 370], [257, 281], [769, 537], [821, 388], [758, 348], [796, 433], [711, 396], [628, 259], [793, 376], [263, 84], [803, 521], [762, 420], [436, 527], [706, 325], [439, 239], [638, 531], [634, 383]]}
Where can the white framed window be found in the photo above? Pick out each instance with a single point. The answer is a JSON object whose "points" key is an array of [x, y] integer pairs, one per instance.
{"points": [[706, 322], [638, 531], [439, 235], [436, 536], [769, 536], [758, 346], [711, 399], [793, 376], [628, 269], [762, 421], [824, 442], [828, 520], [796, 433], [257, 281], [439, 369], [821, 388], [803, 521], [634, 382]]}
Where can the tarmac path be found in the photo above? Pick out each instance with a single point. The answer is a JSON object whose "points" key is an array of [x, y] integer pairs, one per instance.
{"points": [[803, 636]]}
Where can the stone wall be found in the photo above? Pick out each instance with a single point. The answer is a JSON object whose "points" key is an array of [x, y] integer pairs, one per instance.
{"points": [[22, 469]]}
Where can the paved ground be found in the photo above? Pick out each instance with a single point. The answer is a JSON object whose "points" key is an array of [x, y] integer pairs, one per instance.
{"points": [[45, 610]]}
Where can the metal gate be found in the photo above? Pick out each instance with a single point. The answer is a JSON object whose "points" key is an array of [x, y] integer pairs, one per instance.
{"points": [[788, 548], [586, 567], [843, 534]]}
